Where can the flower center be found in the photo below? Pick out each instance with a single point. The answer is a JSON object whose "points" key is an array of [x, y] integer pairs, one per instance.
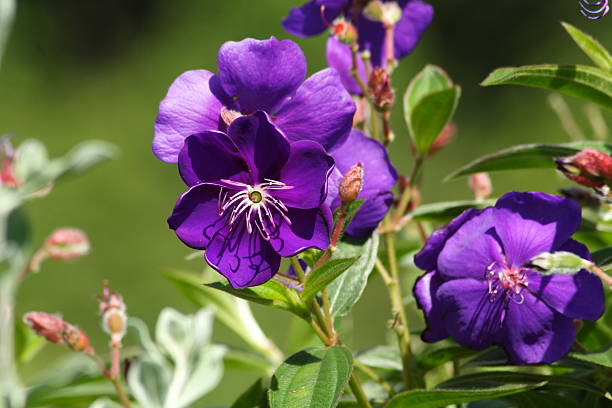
{"points": [[254, 205], [507, 279]]}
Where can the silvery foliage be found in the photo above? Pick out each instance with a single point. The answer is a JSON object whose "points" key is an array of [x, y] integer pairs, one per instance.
{"points": [[181, 365]]}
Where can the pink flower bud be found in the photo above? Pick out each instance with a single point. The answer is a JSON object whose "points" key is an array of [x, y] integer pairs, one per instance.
{"points": [[589, 167], [67, 243], [46, 325], [444, 138], [343, 31], [114, 318], [480, 184], [351, 184], [382, 93], [76, 339]]}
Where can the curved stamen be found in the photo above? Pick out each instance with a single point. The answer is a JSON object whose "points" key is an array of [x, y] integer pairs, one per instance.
{"points": [[509, 280], [594, 14]]}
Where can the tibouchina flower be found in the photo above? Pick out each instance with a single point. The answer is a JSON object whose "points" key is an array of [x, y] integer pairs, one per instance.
{"points": [[255, 75], [479, 290], [253, 198], [379, 177]]}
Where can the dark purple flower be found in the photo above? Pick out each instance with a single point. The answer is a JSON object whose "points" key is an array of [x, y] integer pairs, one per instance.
{"points": [[253, 198], [479, 290], [379, 177], [309, 20], [255, 75]]}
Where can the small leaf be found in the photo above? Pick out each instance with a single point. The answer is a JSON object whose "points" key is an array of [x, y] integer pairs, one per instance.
{"points": [[441, 356], [539, 399], [314, 377], [253, 397], [346, 290], [430, 79], [602, 256], [381, 357], [591, 47], [27, 343], [350, 212], [584, 82], [602, 358], [527, 156], [32, 158], [242, 360], [271, 293], [318, 279], [445, 211]]}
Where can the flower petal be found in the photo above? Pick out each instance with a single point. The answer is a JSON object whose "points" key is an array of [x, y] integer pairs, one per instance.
{"points": [[321, 110], [531, 223], [427, 258], [579, 296], [188, 108], [424, 291], [471, 249], [260, 74], [416, 17], [306, 21], [244, 259], [211, 156], [262, 146], [309, 229], [371, 36], [533, 333], [306, 171], [469, 315], [339, 57], [195, 216], [370, 214]]}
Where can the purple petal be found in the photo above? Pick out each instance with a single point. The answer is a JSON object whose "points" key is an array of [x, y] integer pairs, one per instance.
{"points": [[321, 110], [260, 74], [309, 229], [339, 57], [306, 171], [469, 315], [533, 333], [244, 259], [211, 156], [531, 223], [427, 258], [416, 17], [188, 108], [371, 36], [262, 146], [425, 290], [370, 214], [579, 296], [195, 217], [307, 21], [471, 249]]}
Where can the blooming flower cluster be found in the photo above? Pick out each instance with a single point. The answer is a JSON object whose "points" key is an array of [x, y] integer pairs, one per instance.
{"points": [[479, 287]]}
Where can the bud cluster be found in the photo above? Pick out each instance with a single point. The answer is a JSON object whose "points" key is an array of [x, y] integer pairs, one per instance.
{"points": [[379, 85], [57, 331]]}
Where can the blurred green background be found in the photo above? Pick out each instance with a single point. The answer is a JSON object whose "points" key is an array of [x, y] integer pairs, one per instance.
{"points": [[77, 70]]}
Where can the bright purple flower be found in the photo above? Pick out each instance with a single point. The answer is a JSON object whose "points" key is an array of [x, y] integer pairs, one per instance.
{"points": [[309, 20], [479, 290], [253, 197], [379, 177], [255, 75]]}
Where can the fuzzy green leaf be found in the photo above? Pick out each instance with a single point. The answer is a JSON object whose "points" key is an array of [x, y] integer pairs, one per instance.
{"points": [[590, 46], [318, 279]]}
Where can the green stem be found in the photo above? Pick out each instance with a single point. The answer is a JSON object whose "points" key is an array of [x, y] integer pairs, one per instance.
{"points": [[405, 198], [125, 401], [11, 392], [357, 390], [372, 374]]}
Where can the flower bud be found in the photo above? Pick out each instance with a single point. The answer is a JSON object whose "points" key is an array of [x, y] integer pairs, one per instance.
{"points": [[114, 318], [380, 88], [67, 243], [7, 157], [46, 325], [76, 339], [444, 138], [351, 184], [387, 13], [589, 167], [343, 31], [560, 262], [480, 184]]}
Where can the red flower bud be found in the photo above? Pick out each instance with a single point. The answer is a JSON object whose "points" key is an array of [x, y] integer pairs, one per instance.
{"points": [[343, 31], [76, 339], [46, 325], [589, 167], [480, 184], [351, 184], [67, 243], [380, 88]]}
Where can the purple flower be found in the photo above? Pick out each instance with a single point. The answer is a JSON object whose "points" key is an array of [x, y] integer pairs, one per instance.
{"points": [[313, 17], [255, 75], [479, 290], [253, 198], [379, 177]]}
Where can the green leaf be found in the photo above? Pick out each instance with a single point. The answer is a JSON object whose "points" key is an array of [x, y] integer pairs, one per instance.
{"points": [[253, 397], [429, 103], [318, 279], [27, 343], [436, 398], [350, 212], [441, 356], [243, 360], [445, 211], [77, 395], [346, 290], [591, 47], [602, 358], [602, 256], [271, 293], [314, 377], [527, 156], [584, 82], [540, 399], [381, 357]]}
